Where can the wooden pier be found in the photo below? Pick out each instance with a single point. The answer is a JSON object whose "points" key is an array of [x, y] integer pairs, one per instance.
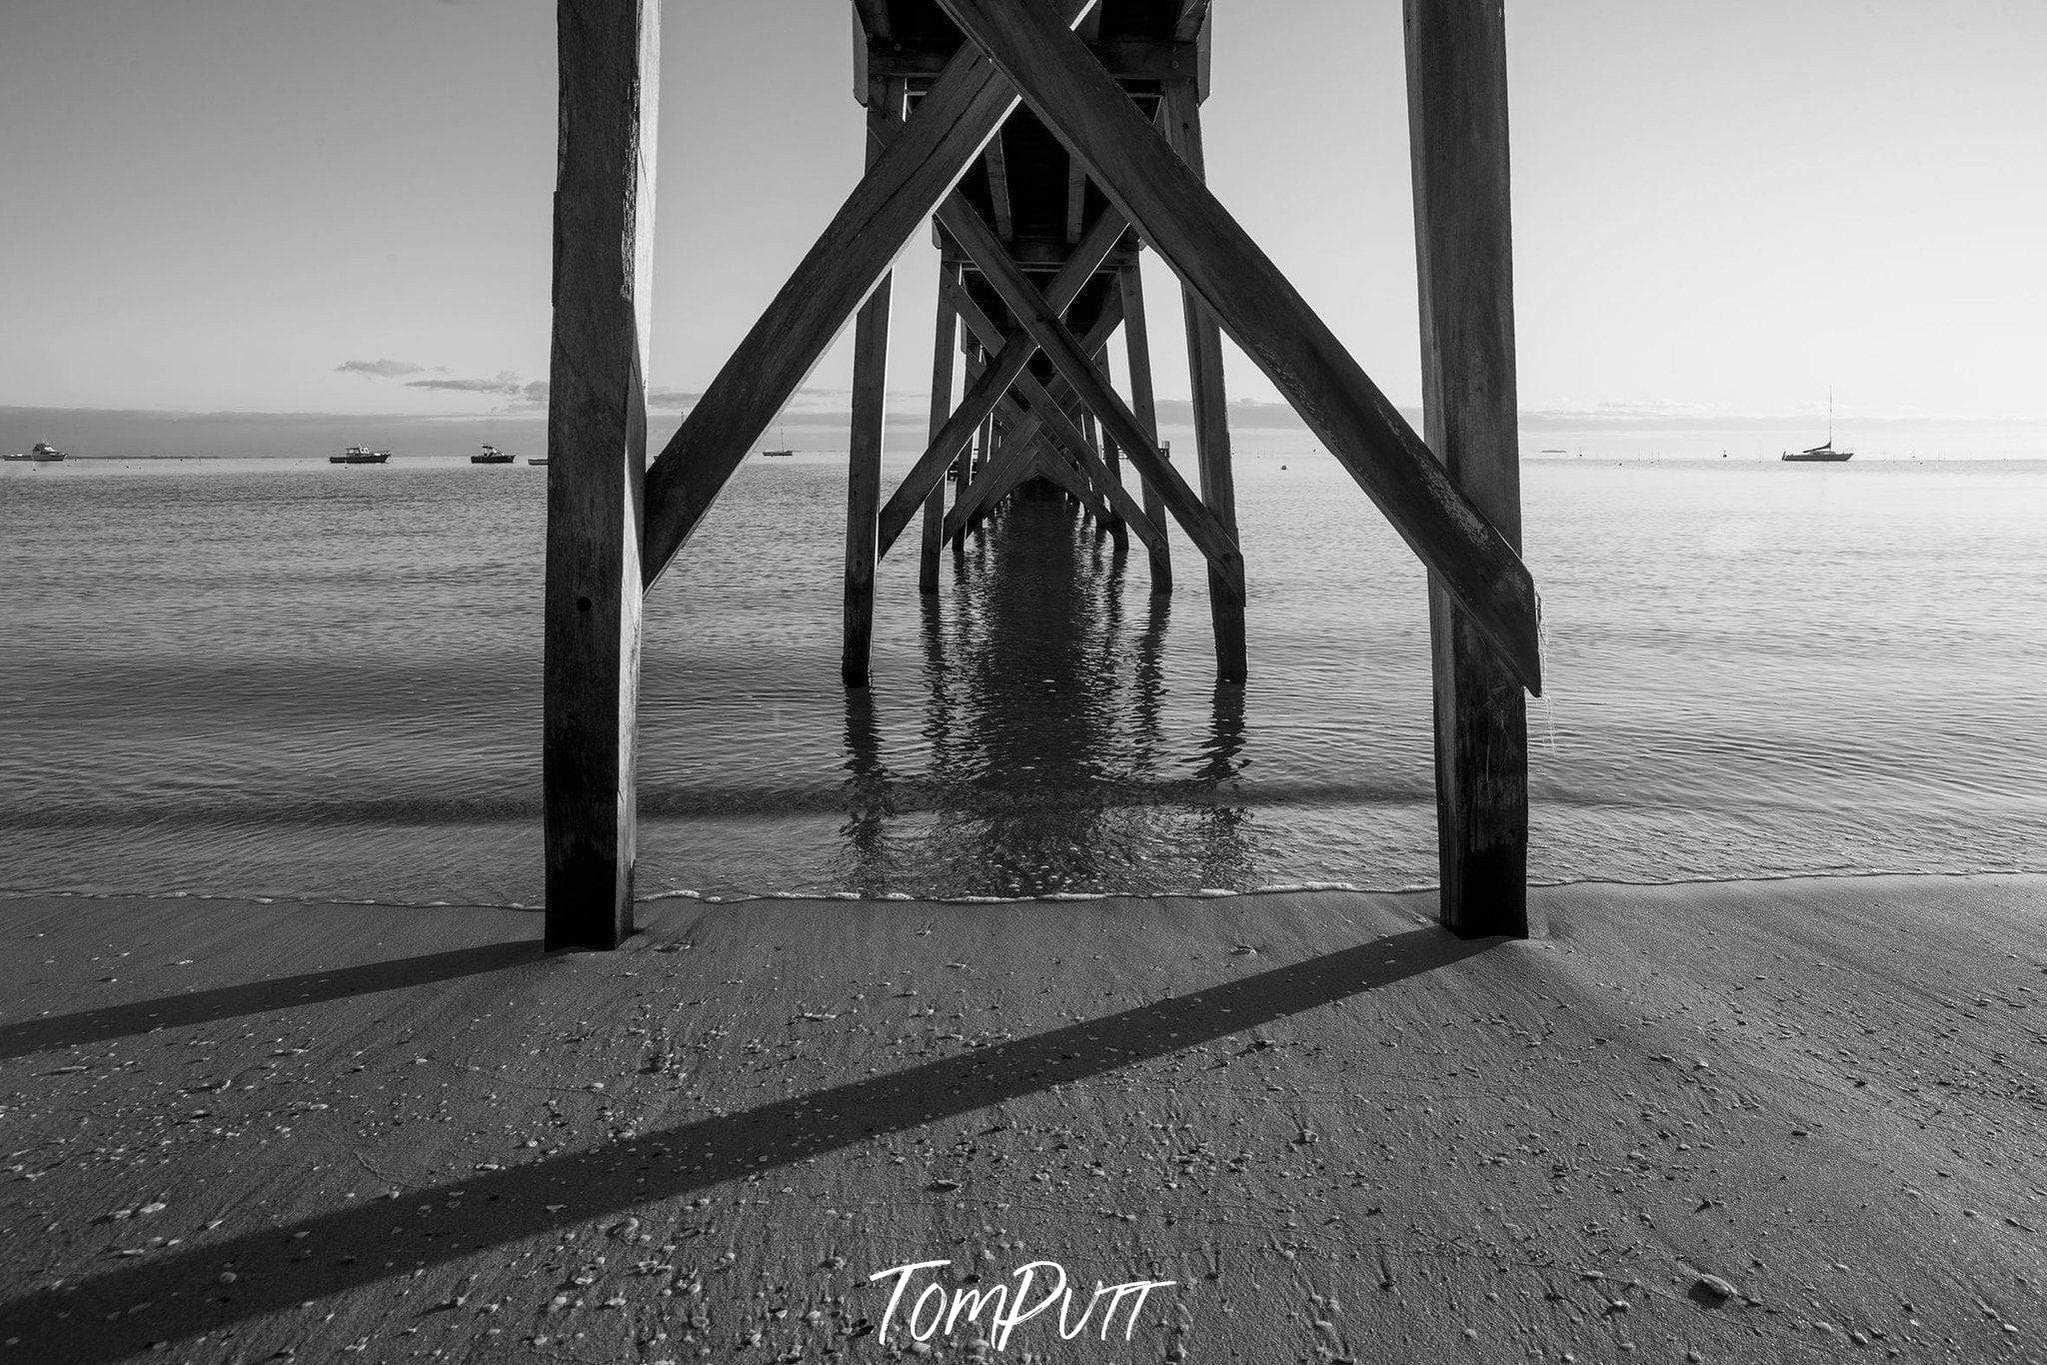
{"points": [[1046, 143]]}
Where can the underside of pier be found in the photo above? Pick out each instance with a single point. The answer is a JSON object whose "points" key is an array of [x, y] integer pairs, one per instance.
{"points": [[1046, 144]]}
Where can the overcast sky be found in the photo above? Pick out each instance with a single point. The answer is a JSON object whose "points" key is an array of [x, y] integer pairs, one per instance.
{"points": [[256, 204]]}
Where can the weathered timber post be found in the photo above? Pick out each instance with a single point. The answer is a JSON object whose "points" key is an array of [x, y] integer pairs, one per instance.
{"points": [[1112, 460], [609, 53], [1211, 404], [947, 341], [863, 461], [967, 464], [1137, 348], [1457, 124]]}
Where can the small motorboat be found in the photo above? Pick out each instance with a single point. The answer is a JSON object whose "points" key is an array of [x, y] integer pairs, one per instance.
{"points": [[491, 455], [41, 453], [360, 455], [536, 459]]}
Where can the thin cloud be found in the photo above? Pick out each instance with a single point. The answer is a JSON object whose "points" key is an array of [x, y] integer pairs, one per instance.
{"points": [[508, 385], [379, 369]]}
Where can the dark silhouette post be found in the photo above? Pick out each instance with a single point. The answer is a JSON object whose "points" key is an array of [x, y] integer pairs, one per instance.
{"points": [[1457, 124], [597, 458]]}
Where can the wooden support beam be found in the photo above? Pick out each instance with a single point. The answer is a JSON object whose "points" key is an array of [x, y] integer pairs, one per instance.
{"points": [[1004, 472], [1089, 30], [1020, 428], [1137, 61], [1047, 412], [945, 343], [1050, 416], [1124, 513], [1076, 199], [1182, 118], [873, 16], [998, 188], [1257, 305], [1193, 15], [966, 466], [995, 381], [1062, 472], [1112, 461], [609, 53], [1039, 320], [1143, 405], [870, 421], [1457, 130], [952, 122]]}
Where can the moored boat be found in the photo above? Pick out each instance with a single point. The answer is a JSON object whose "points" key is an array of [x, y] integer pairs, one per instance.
{"points": [[491, 455], [1824, 452], [536, 459], [41, 453], [360, 455]]}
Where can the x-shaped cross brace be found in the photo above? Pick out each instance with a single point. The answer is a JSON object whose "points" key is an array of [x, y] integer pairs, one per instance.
{"points": [[1151, 188]]}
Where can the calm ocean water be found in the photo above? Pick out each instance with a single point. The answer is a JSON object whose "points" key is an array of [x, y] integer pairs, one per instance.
{"points": [[277, 677]]}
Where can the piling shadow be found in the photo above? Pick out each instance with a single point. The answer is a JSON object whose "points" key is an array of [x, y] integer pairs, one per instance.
{"points": [[179, 1294], [258, 997]]}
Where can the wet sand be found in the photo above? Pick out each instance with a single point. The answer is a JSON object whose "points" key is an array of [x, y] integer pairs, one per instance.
{"points": [[1755, 1121]]}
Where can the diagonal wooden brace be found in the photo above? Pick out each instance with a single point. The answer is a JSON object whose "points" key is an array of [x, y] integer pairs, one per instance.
{"points": [[995, 381], [935, 147], [1136, 168], [1045, 409], [1072, 359], [1008, 469]]}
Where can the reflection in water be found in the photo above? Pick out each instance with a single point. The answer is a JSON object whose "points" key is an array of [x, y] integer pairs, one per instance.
{"points": [[867, 792], [1041, 734]]}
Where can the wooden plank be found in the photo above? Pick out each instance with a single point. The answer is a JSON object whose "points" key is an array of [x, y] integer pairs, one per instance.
{"points": [[995, 381], [998, 188], [1089, 30], [1182, 119], [952, 122], [1040, 321], [873, 17], [945, 343], [1076, 199], [863, 463], [609, 53], [1143, 405], [1257, 305], [1457, 129]]}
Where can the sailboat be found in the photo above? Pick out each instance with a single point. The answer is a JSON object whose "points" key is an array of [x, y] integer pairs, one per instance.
{"points": [[1824, 452], [777, 454]]}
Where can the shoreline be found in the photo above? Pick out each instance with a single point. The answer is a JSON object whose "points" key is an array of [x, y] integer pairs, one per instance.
{"points": [[1336, 1130], [659, 898]]}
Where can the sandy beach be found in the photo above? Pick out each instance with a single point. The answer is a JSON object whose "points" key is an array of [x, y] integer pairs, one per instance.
{"points": [[1759, 1121]]}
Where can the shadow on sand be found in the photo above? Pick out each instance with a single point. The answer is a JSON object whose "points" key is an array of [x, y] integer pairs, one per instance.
{"points": [[285, 992], [179, 1294]]}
